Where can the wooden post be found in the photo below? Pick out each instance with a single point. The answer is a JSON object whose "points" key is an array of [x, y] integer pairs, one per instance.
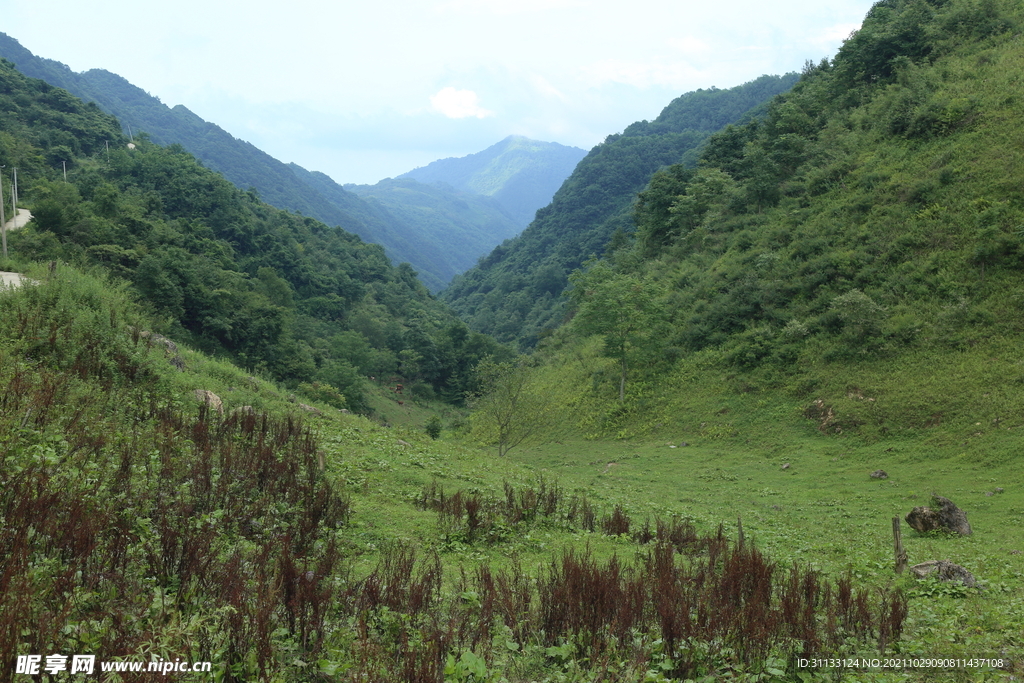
{"points": [[739, 522], [897, 544]]}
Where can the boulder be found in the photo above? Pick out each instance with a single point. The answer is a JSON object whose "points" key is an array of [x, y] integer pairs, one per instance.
{"points": [[945, 571], [951, 517], [923, 519], [945, 516], [211, 400], [879, 474], [310, 409]]}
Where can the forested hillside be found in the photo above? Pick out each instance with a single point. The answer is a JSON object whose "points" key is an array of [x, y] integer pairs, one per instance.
{"points": [[439, 218], [515, 292], [286, 186], [829, 290], [309, 304], [522, 175], [860, 245]]}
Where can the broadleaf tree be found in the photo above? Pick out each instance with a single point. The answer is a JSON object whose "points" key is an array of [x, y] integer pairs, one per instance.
{"points": [[505, 407], [620, 307]]}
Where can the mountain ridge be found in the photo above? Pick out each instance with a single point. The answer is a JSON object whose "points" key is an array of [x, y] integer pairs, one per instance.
{"points": [[515, 292], [286, 186], [520, 173]]}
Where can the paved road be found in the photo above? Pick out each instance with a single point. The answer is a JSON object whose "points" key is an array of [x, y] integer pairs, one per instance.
{"points": [[8, 279], [11, 279], [19, 220]]}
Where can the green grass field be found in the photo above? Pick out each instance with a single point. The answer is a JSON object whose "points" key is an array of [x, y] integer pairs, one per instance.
{"points": [[823, 511]]}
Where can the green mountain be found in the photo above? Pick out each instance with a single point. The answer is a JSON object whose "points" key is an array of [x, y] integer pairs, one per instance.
{"points": [[439, 217], [274, 291], [515, 292], [520, 174], [286, 186], [858, 249], [836, 288]]}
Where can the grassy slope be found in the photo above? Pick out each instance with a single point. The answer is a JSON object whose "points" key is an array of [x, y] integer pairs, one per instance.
{"points": [[823, 511]]}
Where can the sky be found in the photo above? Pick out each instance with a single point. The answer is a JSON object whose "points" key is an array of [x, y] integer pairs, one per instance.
{"points": [[365, 91]]}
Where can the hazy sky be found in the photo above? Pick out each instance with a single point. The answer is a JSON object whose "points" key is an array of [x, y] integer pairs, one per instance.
{"points": [[363, 91]]}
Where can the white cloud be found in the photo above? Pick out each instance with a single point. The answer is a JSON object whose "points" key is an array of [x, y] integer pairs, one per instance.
{"points": [[836, 34], [507, 7], [544, 87], [640, 74], [458, 104], [689, 45]]}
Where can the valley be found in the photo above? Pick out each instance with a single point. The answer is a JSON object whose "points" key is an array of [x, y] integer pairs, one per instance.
{"points": [[740, 341]]}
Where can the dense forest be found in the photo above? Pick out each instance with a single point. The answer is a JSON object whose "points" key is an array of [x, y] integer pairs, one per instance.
{"points": [[515, 293], [308, 304], [423, 244]]}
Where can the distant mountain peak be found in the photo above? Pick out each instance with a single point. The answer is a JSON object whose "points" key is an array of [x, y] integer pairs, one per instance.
{"points": [[519, 173]]}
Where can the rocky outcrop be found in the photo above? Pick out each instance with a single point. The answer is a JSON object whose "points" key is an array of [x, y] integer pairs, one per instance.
{"points": [[943, 516], [211, 400], [945, 570]]}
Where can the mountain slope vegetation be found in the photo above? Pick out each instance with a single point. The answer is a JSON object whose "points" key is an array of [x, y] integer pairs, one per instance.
{"points": [[515, 292], [703, 510], [286, 186], [438, 217], [522, 175], [859, 248], [309, 304]]}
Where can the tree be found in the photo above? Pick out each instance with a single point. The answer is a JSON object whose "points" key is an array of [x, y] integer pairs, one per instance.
{"points": [[621, 308], [505, 406]]}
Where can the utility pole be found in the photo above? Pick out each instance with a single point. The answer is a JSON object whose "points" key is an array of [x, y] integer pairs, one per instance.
{"points": [[3, 221]]}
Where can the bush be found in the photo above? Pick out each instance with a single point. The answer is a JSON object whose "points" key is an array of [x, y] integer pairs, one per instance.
{"points": [[433, 427]]}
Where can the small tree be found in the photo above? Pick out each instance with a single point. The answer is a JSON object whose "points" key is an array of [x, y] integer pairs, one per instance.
{"points": [[623, 309], [505, 406]]}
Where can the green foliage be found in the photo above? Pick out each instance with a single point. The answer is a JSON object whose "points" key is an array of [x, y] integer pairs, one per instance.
{"points": [[275, 292], [433, 427], [506, 408], [621, 309], [409, 228], [844, 225], [513, 293]]}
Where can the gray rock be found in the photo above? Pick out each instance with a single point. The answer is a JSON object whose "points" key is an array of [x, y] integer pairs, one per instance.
{"points": [[945, 571], [879, 474], [923, 519], [168, 345], [211, 399], [310, 409], [951, 517], [945, 516]]}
